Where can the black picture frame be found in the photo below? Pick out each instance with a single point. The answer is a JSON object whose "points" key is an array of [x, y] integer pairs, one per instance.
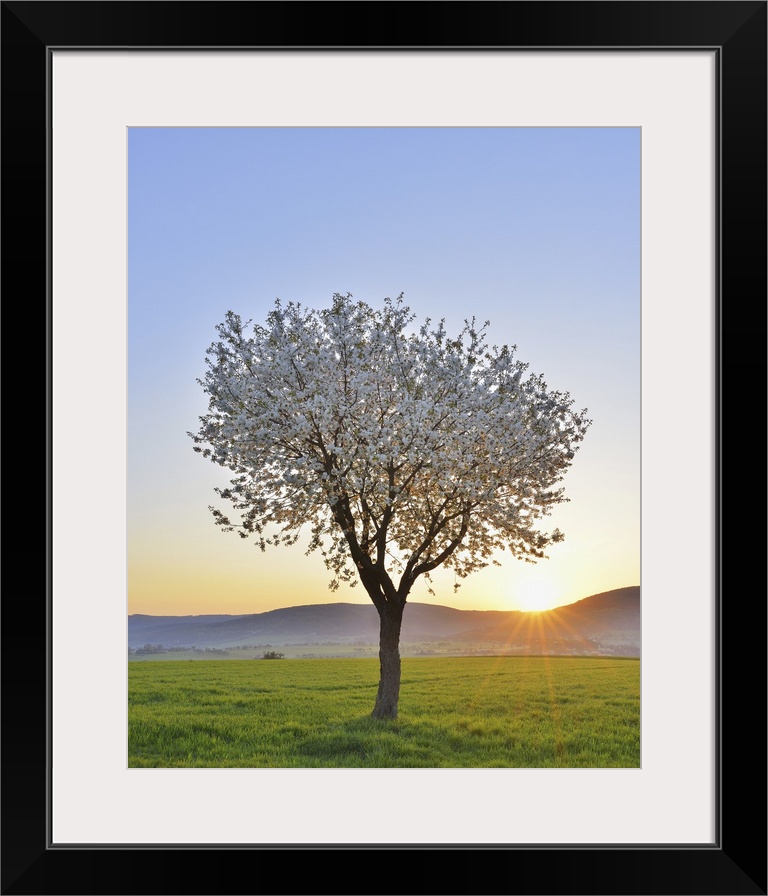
{"points": [[736, 862]]}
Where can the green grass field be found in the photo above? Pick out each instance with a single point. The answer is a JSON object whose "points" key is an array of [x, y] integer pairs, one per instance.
{"points": [[455, 712]]}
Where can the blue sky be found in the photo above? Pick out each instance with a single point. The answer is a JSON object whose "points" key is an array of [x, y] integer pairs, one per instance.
{"points": [[534, 229]]}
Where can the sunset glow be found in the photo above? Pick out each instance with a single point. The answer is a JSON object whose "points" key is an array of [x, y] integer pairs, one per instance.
{"points": [[537, 594]]}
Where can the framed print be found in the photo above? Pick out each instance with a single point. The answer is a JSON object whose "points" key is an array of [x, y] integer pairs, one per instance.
{"points": [[83, 86]]}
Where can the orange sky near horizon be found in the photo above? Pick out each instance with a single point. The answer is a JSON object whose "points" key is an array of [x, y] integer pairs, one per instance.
{"points": [[185, 565]]}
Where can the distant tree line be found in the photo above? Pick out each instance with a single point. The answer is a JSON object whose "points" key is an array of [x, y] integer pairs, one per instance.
{"points": [[147, 648]]}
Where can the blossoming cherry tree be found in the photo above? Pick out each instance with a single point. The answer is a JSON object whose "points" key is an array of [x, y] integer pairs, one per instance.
{"points": [[400, 448]]}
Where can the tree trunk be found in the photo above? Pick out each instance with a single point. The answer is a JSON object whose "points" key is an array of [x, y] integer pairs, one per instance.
{"points": [[391, 617]]}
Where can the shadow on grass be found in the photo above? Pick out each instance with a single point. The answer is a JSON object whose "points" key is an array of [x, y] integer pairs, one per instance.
{"points": [[365, 742]]}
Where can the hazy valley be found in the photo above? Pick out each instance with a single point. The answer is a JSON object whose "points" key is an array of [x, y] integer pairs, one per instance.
{"points": [[605, 624]]}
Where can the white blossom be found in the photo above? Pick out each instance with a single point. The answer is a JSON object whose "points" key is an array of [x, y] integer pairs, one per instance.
{"points": [[401, 449]]}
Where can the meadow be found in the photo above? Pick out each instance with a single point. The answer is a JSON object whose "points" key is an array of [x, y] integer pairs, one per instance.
{"points": [[455, 712]]}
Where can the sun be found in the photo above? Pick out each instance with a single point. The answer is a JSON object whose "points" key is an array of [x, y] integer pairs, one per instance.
{"points": [[535, 595]]}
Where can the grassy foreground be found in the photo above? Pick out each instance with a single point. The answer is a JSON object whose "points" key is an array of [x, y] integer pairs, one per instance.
{"points": [[455, 712]]}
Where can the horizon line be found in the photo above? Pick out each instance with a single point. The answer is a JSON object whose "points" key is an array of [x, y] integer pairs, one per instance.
{"points": [[370, 604]]}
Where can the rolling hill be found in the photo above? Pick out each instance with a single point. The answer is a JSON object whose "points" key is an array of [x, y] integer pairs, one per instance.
{"points": [[606, 623]]}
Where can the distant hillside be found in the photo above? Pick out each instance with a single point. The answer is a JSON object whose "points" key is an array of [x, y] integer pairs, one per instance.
{"points": [[603, 623], [609, 619]]}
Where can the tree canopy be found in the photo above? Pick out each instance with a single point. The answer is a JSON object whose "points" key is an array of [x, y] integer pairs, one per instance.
{"points": [[398, 447]]}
